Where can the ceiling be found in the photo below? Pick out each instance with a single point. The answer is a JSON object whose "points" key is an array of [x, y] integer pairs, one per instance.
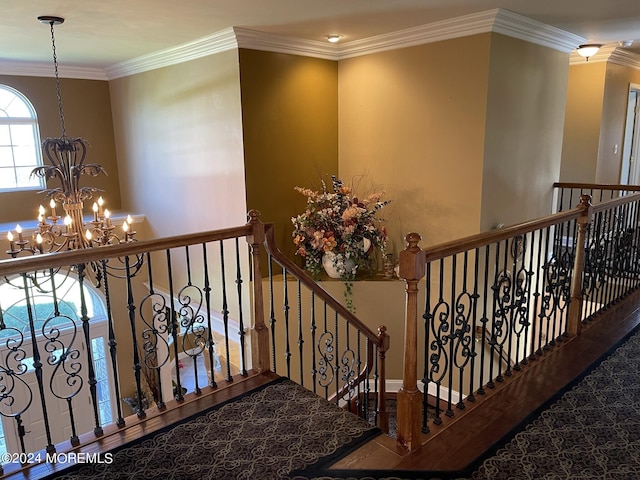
{"points": [[103, 34]]}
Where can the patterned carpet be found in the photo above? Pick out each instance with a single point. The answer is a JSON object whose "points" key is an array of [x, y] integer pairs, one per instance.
{"points": [[592, 432], [264, 435]]}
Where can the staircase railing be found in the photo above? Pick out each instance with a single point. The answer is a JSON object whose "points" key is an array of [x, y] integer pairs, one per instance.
{"points": [[96, 340], [511, 294]]}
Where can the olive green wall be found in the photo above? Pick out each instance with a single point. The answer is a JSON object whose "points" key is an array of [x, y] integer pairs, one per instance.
{"points": [[523, 132], [583, 116], [412, 121], [87, 114], [290, 130]]}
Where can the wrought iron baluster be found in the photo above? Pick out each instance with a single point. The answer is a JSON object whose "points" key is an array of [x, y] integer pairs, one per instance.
{"points": [[285, 308], [37, 365], [211, 344], [426, 316], [336, 364], [313, 328], [190, 299], [140, 410], [451, 336], [326, 351], [347, 363], [87, 338], [225, 313], [112, 343], [300, 339], [484, 319], [474, 326], [272, 316], [155, 333], [241, 333]]}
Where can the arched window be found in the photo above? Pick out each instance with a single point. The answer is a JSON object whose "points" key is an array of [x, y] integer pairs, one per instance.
{"points": [[19, 142]]}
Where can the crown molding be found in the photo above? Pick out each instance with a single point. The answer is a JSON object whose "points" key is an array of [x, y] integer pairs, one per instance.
{"points": [[498, 20], [215, 43], [255, 40], [46, 70], [623, 57]]}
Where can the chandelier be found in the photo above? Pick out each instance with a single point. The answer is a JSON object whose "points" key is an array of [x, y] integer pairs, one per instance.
{"points": [[66, 163]]}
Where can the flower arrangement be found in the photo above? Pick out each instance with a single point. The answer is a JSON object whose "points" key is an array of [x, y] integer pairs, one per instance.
{"points": [[338, 225]]}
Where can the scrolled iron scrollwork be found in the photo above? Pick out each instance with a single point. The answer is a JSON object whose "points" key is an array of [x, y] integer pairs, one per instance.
{"points": [[440, 337], [348, 371], [326, 349]]}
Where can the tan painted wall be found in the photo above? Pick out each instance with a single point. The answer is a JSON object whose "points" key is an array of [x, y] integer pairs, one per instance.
{"points": [[290, 129], [582, 122], [412, 122], [178, 133], [87, 113], [614, 111], [523, 136]]}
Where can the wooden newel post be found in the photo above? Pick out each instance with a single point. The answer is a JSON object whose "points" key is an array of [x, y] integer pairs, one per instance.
{"points": [[383, 346], [574, 323], [260, 332], [412, 269]]}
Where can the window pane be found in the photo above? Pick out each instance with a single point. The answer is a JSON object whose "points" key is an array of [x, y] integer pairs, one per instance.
{"points": [[19, 141], [25, 157], [7, 178], [22, 135], [5, 138], [24, 178], [6, 157]]}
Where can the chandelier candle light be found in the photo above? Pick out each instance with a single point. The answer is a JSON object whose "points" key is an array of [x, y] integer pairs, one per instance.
{"points": [[66, 157]]}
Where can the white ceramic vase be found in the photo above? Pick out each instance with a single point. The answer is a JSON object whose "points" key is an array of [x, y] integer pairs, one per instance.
{"points": [[329, 264]]}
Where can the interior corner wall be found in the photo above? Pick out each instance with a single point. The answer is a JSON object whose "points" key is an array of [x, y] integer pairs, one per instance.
{"points": [[412, 122], [583, 117], [523, 139], [614, 110], [87, 114], [178, 133], [290, 129]]}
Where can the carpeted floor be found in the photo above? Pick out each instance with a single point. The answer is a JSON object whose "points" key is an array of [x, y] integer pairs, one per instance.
{"points": [[589, 432], [265, 434]]}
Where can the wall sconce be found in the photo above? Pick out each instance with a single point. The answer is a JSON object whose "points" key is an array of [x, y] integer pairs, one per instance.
{"points": [[588, 50]]}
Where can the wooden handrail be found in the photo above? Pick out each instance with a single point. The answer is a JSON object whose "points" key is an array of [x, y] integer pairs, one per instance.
{"points": [[597, 186], [74, 257], [308, 282]]}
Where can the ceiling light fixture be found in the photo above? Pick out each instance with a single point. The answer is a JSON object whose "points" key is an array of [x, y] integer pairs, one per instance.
{"points": [[66, 163], [333, 38], [588, 50]]}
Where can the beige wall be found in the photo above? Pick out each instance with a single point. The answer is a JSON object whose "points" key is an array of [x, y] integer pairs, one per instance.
{"points": [[178, 134], [290, 130], [582, 122], [523, 134], [87, 113], [412, 122], [614, 112]]}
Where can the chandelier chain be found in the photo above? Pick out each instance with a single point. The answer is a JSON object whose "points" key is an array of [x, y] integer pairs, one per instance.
{"points": [[55, 68]]}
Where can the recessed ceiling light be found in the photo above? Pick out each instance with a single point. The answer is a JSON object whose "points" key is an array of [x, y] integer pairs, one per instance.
{"points": [[333, 38], [625, 43]]}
